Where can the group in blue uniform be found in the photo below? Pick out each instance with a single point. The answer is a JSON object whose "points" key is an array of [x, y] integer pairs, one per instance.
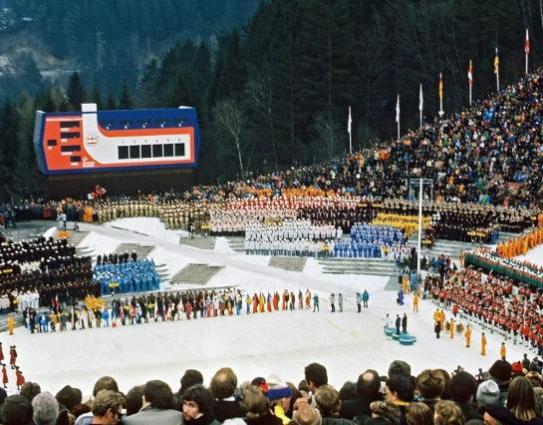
{"points": [[366, 241], [131, 276]]}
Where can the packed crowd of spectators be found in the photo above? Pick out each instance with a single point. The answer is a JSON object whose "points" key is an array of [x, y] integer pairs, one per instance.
{"points": [[508, 393], [496, 301]]}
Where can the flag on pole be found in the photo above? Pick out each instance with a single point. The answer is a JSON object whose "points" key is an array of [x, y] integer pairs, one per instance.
{"points": [[398, 109], [349, 121], [440, 88], [421, 99], [527, 43], [496, 63], [470, 73]]}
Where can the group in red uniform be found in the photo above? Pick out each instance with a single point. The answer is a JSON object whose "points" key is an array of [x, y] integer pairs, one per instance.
{"points": [[494, 300], [19, 378]]}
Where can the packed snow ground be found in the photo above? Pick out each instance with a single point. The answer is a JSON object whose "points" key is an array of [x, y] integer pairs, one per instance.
{"points": [[282, 342]]}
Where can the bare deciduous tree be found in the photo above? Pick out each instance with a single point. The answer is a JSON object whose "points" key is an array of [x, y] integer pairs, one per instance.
{"points": [[229, 116]]}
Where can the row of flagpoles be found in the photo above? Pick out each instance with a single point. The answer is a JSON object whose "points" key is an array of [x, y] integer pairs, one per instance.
{"points": [[440, 90]]}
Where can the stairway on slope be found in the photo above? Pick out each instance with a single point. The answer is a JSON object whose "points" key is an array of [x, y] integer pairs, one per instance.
{"points": [[236, 243], [291, 264], [141, 250], [361, 266], [199, 242], [195, 274]]}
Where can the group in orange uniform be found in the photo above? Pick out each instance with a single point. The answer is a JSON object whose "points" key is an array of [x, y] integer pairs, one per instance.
{"points": [[521, 245]]}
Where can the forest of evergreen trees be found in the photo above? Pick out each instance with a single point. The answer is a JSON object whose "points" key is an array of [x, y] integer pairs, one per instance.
{"points": [[276, 92]]}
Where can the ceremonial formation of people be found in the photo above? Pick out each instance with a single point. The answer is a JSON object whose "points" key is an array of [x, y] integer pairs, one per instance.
{"points": [[290, 237], [372, 241], [121, 274], [98, 312], [519, 270], [499, 302], [42, 272]]}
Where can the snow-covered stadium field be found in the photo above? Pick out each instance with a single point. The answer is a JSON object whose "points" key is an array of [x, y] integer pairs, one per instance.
{"points": [[257, 345]]}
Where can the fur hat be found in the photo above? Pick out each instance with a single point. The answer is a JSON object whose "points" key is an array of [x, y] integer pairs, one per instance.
{"points": [[277, 388], [500, 370], [399, 367], [307, 415], [488, 393], [45, 409]]}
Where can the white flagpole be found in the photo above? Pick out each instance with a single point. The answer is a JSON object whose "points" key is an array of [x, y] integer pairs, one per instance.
{"points": [[441, 112], [470, 81], [398, 115], [349, 125], [421, 105], [497, 70], [527, 49]]}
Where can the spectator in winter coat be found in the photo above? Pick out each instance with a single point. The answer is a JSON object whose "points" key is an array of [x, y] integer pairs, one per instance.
{"points": [[448, 413], [315, 375], [367, 390], [280, 395], [419, 414], [328, 403], [107, 407], [156, 408], [461, 389], [190, 377], [223, 386], [17, 410], [134, 400], [430, 384], [103, 383], [45, 408], [197, 406]]}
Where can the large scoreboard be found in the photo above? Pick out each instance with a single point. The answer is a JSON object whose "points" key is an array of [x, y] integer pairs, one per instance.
{"points": [[93, 141]]}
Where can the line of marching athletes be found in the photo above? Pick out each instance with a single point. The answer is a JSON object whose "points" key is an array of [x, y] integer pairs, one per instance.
{"points": [[174, 307]]}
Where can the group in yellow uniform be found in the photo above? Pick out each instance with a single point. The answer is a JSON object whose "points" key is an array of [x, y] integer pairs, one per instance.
{"points": [[467, 336], [483, 344], [439, 316], [416, 301], [521, 245]]}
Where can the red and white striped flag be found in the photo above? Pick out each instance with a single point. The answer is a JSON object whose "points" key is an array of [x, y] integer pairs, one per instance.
{"points": [[470, 72], [527, 43]]}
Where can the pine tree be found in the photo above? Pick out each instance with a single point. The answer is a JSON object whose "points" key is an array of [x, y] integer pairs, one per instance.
{"points": [[9, 132], [148, 87], [96, 98], [75, 92], [125, 99], [110, 102]]}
